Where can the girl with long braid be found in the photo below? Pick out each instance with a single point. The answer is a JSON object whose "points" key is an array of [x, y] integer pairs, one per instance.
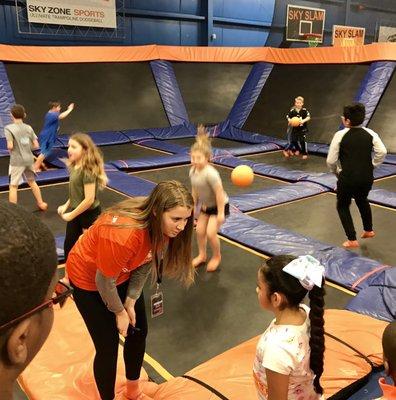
{"points": [[289, 357]]}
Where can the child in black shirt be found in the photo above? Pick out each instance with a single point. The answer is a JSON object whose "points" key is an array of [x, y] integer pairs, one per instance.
{"points": [[297, 135]]}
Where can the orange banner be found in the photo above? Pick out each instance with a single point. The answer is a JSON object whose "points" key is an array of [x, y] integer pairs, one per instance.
{"points": [[90, 54], [348, 35]]}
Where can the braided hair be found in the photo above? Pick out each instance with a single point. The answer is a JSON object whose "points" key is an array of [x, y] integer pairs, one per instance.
{"points": [[279, 281]]}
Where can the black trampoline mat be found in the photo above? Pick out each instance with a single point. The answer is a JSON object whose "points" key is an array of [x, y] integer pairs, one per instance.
{"points": [[127, 151], [386, 183], [312, 164], [216, 142], [108, 96], [209, 90], [181, 174], [317, 218], [326, 88], [56, 195], [4, 164]]}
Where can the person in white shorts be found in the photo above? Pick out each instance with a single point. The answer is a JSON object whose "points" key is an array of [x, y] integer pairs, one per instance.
{"points": [[21, 139]]}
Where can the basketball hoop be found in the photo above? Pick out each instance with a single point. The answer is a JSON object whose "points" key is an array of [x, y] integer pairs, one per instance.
{"points": [[313, 39]]}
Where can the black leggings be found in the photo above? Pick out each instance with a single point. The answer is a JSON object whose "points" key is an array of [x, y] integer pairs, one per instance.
{"points": [[102, 327], [345, 194], [75, 227]]}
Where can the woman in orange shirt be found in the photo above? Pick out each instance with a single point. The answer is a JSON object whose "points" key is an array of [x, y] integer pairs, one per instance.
{"points": [[109, 265]]}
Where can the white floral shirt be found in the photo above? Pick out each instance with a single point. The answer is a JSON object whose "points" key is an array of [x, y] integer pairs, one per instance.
{"points": [[285, 349]]}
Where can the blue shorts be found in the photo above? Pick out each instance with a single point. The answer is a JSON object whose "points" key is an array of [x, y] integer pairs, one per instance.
{"points": [[46, 146]]}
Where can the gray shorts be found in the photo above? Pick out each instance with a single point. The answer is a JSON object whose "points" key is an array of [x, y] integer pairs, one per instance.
{"points": [[16, 174]]}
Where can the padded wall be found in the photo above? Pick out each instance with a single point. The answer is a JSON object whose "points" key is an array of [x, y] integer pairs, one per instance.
{"points": [[108, 96]]}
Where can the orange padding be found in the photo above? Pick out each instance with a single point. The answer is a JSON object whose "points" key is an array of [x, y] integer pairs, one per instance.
{"points": [[231, 372], [318, 55], [63, 368]]}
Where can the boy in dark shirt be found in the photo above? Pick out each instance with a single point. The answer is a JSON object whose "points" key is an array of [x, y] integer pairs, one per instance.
{"points": [[297, 134], [350, 158]]}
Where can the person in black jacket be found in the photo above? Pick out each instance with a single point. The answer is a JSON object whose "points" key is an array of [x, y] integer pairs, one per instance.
{"points": [[350, 158], [297, 135]]}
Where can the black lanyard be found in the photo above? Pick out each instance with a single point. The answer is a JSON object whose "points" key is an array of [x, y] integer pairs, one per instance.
{"points": [[159, 265]]}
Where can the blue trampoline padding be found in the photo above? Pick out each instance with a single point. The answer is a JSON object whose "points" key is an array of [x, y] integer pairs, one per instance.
{"points": [[135, 135], [272, 171], [371, 390], [384, 170], [7, 99], [103, 138], [374, 85], [318, 148], [342, 266], [378, 299], [163, 145], [249, 93], [329, 180], [152, 162], [275, 195], [3, 147], [383, 197], [245, 149], [226, 131], [390, 159], [169, 91], [128, 184], [50, 176], [59, 242], [4, 182], [173, 132], [56, 156]]}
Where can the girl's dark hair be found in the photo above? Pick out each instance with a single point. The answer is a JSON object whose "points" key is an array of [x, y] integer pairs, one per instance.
{"points": [[279, 281]]}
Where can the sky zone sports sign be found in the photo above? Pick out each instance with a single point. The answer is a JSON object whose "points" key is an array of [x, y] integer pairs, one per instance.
{"points": [[95, 13], [301, 22]]}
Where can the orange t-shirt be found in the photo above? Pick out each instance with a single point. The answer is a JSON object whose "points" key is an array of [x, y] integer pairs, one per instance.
{"points": [[109, 247]]}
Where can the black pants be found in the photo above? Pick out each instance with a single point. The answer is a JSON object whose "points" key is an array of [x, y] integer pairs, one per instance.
{"points": [[102, 327], [345, 193], [74, 228], [298, 142]]}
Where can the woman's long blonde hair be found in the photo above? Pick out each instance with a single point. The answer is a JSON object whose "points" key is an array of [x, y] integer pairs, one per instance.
{"points": [[147, 213], [91, 160], [202, 143]]}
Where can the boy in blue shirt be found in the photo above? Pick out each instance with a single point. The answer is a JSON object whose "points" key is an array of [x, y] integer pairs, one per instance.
{"points": [[47, 136]]}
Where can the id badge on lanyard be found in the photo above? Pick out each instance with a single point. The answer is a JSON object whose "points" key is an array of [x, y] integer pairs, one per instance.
{"points": [[157, 299], [157, 303]]}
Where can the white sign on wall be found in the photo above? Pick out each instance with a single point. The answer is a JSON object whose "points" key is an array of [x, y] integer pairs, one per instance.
{"points": [[387, 34], [95, 13]]}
